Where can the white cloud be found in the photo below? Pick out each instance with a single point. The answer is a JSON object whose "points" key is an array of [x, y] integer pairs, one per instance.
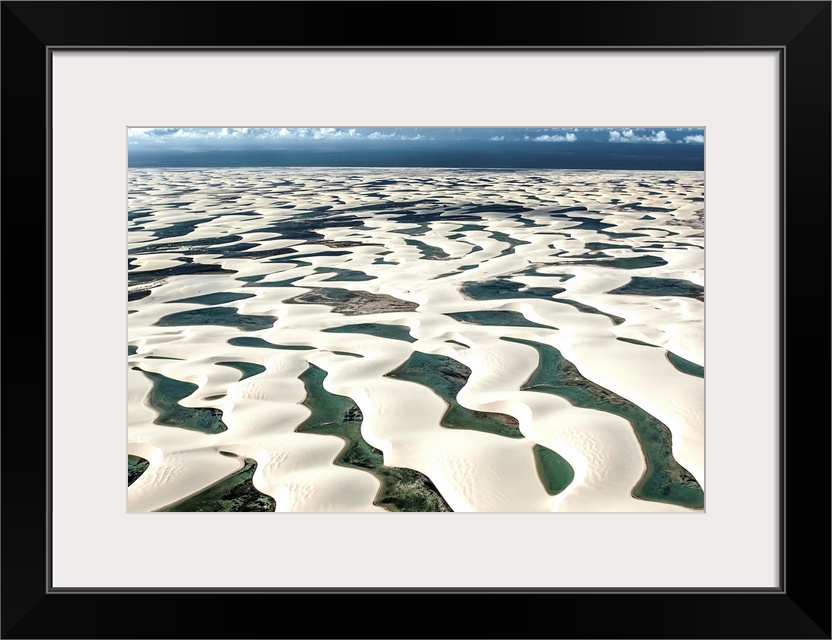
{"points": [[331, 133], [697, 139], [497, 138], [196, 136], [151, 133], [569, 137], [378, 135], [239, 133], [628, 135], [189, 134]]}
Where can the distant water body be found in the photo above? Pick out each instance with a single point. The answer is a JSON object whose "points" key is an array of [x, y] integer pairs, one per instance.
{"points": [[574, 155]]}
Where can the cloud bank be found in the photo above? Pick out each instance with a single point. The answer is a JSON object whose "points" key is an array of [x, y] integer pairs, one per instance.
{"points": [[628, 135]]}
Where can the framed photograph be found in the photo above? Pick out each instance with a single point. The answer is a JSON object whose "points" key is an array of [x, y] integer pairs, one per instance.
{"points": [[536, 277]]}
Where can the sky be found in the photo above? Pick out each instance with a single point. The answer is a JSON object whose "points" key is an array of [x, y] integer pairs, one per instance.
{"points": [[680, 148]]}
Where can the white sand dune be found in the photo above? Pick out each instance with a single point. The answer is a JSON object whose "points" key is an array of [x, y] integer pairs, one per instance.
{"points": [[409, 266]]}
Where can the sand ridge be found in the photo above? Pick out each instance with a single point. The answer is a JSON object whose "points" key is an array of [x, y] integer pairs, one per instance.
{"points": [[293, 256]]}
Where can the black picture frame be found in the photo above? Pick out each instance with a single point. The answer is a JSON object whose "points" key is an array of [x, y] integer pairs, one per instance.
{"points": [[799, 608]]}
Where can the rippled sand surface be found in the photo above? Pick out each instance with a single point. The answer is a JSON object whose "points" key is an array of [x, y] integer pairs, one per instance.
{"points": [[342, 340]]}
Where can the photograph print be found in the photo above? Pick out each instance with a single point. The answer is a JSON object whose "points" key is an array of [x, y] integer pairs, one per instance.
{"points": [[357, 319]]}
